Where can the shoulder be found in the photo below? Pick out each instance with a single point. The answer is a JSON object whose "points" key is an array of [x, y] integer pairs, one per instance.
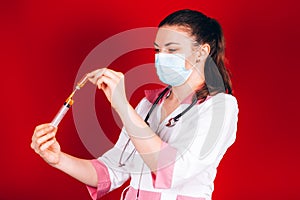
{"points": [[225, 102], [223, 98]]}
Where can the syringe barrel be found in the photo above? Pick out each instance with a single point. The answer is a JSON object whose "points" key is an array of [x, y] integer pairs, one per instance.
{"points": [[61, 113]]}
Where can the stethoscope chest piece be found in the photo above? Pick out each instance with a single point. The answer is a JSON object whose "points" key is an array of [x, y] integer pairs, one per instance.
{"points": [[172, 122]]}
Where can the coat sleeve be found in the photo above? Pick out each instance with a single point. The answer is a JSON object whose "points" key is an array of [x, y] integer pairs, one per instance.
{"points": [[110, 174], [200, 143]]}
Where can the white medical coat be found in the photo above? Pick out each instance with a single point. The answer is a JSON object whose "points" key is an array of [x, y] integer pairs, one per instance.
{"points": [[188, 159]]}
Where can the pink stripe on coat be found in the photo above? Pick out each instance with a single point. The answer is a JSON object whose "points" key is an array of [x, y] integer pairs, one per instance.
{"points": [[104, 183]]}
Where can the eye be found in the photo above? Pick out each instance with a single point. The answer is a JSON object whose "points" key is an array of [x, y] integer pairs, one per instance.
{"points": [[156, 50], [172, 50]]}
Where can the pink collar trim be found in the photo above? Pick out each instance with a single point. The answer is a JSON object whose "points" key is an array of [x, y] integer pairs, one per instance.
{"points": [[151, 96]]}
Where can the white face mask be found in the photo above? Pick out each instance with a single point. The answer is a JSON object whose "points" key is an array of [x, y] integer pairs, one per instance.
{"points": [[170, 68]]}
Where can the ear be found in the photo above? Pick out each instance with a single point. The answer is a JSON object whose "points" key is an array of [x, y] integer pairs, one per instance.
{"points": [[203, 52]]}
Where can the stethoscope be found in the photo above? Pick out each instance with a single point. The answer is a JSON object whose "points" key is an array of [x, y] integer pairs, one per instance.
{"points": [[171, 122]]}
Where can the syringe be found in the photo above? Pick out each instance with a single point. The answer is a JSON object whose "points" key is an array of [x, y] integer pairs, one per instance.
{"points": [[68, 103]]}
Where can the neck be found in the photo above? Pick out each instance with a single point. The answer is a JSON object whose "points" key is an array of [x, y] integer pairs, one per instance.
{"points": [[179, 93], [194, 83]]}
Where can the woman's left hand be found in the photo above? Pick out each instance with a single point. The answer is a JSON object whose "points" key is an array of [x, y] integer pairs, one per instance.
{"points": [[112, 84]]}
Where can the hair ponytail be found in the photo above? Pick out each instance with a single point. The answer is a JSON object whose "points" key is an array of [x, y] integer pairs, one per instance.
{"points": [[217, 45]]}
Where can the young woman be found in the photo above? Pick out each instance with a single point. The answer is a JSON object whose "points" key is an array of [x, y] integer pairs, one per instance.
{"points": [[172, 143]]}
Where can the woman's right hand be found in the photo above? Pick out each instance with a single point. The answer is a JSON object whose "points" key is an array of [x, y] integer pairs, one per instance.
{"points": [[44, 143]]}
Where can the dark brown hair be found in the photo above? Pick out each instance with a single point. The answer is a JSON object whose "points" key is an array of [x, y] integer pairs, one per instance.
{"points": [[206, 30]]}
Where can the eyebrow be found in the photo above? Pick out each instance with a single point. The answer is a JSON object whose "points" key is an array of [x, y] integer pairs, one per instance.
{"points": [[168, 44]]}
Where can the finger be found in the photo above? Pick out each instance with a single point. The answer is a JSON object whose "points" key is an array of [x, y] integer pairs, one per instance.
{"points": [[32, 145], [113, 74], [41, 126], [35, 147], [110, 77], [96, 72], [45, 138], [43, 131], [104, 80], [41, 136], [47, 144], [40, 131], [95, 75]]}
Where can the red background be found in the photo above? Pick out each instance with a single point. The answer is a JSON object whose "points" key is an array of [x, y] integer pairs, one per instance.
{"points": [[43, 43]]}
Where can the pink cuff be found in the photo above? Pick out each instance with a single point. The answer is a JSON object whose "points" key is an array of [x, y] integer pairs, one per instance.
{"points": [[103, 185], [165, 167]]}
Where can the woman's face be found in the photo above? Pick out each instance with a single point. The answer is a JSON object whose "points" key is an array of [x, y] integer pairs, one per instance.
{"points": [[177, 40]]}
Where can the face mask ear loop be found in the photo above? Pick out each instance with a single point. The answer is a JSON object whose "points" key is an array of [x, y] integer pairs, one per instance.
{"points": [[198, 51], [194, 66]]}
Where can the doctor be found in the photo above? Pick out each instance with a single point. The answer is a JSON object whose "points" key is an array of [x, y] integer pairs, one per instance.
{"points": [[173, 141]]}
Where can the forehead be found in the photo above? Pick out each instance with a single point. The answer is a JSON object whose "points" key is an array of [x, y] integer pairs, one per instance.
{"points": [[170, 34]]}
